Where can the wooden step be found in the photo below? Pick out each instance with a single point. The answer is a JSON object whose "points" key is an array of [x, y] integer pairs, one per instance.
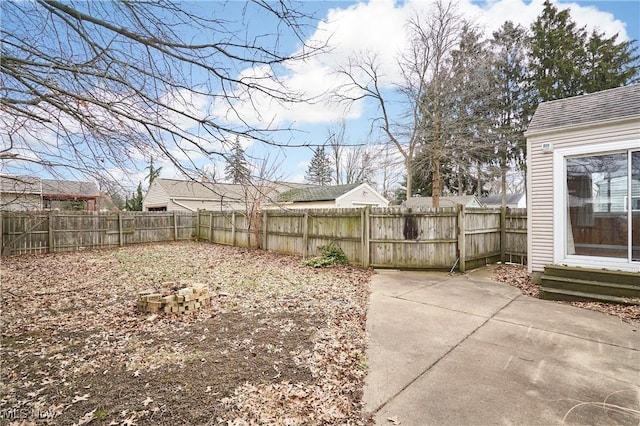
{"points": [[588, 286], [591, 274], [570, 295]]}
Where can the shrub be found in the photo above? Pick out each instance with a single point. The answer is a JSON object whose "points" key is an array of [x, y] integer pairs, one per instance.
{"points": [[332, 255]]}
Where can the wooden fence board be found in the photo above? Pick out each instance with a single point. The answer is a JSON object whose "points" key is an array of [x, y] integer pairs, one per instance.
{"points": [[380, 237], [41, 232]]}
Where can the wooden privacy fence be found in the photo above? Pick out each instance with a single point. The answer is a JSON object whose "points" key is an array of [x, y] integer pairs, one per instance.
{"points": [[48, 232], [441, 238], [380, 237]]}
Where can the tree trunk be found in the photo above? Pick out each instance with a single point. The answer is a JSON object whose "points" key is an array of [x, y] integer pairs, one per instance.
{"points": [[503, 177], [409, 165]]}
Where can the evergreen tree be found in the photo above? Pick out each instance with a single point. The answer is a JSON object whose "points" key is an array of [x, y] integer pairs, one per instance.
{"points": [[319, 171], [153, 172], [134, 203], [609, 64], [237, 168], [510, 48], [557, 54]]}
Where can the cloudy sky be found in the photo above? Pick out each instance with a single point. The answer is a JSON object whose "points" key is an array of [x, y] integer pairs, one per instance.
{"points": [[349, 28], [378, 27]]}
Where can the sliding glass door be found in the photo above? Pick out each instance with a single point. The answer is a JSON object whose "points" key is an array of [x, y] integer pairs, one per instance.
{"points": [[603, 205], [635, 206]]}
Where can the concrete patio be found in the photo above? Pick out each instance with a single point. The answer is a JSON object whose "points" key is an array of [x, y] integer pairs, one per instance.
{"points": [[465, 349]]}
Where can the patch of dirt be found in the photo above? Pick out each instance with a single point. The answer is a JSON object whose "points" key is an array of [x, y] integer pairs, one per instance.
{"points": [[280, 343], [517, 276]]}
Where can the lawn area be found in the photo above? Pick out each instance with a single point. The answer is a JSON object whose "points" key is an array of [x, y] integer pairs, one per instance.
{"points": [[280, 344]]}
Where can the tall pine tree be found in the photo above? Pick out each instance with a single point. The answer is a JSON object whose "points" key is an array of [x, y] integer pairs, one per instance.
{"points": [[609, 64], [319, 171], [237, 168], [557, 54], [510, 47], [565, 62]]}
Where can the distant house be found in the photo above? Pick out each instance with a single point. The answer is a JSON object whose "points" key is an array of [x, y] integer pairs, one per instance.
{"points": [[20, 193], [330, 197], [69, 195], [470, 201], [183, 195], [514, 201], [583, 178]]}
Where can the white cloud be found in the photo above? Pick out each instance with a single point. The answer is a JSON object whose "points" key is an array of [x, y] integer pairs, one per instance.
{"points": [[378, 27]]}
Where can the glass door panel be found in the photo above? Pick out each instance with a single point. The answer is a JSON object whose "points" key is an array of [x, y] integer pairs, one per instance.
{"points": [[597, 213], [635, 206]]}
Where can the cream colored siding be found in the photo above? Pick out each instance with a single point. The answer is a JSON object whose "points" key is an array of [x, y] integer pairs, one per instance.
{"points": [[541, 185], [359, 197], [156, 196], [194, 205]]}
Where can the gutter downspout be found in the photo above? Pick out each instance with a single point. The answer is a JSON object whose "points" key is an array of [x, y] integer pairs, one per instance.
{"points": [[173, 200]]}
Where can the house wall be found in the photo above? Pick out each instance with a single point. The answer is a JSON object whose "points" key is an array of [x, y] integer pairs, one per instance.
{"points": [[545, 184], [156, 196], [20, 202], [180, 204], [359, 197]]}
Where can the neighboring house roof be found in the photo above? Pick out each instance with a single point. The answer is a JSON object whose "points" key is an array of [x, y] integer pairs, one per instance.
{"points": [[20, 185], [48, 187], [198, 190], [69, 189], [316, 193], [445, 201], [184, 189], [607, 105], [496, 199]]}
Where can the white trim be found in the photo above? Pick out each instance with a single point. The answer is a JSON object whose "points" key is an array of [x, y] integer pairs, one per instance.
{"points": [[560, 210]]}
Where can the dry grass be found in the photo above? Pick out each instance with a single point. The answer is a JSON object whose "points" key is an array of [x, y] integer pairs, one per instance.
{"points": [[281, 343]]}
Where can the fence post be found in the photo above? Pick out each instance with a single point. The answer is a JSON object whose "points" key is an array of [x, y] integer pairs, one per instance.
{"points": [[305, 234], [366, 235], [264, 230], [1, 233], [197, 224], [503, 234], [175, 225], [120, 234], [462, 249], [50, 235], [233, 228], [210, 227]]}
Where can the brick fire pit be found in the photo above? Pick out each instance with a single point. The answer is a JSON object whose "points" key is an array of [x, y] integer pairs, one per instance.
{"points": [[174, 299]]}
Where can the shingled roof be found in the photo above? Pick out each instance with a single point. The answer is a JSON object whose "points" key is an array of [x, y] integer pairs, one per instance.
{"points": [[316, 193], [607, 105], [207, 190], [69, 188]]}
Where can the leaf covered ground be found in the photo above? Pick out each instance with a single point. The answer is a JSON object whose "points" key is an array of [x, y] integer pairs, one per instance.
{"points": [[280, 344], [517, 276]]}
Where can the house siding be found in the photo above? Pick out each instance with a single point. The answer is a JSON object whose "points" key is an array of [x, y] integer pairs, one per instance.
{"points": [[195, 205], [357, 198], [156, 196], [20, 202], [540, 180]]}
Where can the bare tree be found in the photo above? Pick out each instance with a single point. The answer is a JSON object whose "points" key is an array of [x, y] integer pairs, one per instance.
{"points": [[359, 165], [336, 140], [91, 86], [425, 69]]}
